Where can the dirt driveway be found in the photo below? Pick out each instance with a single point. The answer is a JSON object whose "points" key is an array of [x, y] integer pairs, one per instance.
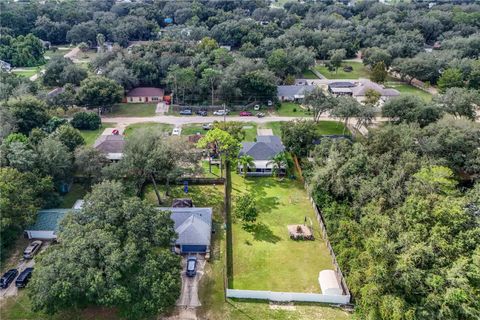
{"points": [[189, 301], [12, 290]]}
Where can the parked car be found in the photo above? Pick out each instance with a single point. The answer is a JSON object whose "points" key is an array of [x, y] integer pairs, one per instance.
{"points": [[202, 113], [23, 278], [220, 112], [269, 103], [191, 266], [256, 107], [207, 126], [260, 115], [186, 112], [7, 278], [32, 249], [176, 132], [245, 114]]}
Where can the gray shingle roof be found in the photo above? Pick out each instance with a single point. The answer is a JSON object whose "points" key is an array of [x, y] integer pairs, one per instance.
{"points": [[193, 225], [49, 220], [291, 91], [265, 148], [110, 144]]}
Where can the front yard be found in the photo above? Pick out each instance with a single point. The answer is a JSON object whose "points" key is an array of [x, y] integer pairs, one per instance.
{"points": [[162, 127], [133, 110], [91, 135]]}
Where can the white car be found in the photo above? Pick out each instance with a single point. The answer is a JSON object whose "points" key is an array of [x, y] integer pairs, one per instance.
{"points": [[176, 132], [220, 113], [256, 107], [32, 249]]}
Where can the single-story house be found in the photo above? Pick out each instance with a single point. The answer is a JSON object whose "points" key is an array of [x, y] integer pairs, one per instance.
{"points": [[145, 95], [293, 92], [341, 88], [193, 227], [46, 224], [359, 89], [262, 151], [111, 146]]}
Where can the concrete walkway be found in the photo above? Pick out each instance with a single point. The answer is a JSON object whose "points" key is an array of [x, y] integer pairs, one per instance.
{"points": [[162, 108]]}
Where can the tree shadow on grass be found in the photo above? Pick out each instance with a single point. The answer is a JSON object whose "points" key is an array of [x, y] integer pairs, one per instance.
{"points": [[261, 232]]}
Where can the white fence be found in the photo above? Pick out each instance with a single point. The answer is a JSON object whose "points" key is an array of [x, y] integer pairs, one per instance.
{"points": [[287, 296]]}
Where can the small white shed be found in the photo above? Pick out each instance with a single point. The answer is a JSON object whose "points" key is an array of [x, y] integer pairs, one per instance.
{"points": [[329, 283]]}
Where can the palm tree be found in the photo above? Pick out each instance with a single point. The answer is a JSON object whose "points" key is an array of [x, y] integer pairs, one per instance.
{"points": [[278, 162], [246, 161]]}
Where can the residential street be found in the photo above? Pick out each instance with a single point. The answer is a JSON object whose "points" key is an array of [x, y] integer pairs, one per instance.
{"points": [[181, 120]]}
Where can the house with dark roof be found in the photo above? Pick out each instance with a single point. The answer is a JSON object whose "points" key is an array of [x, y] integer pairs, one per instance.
{"points": [[47, 223], [145, 95], [193, 227], [262, 151], [293, 93], [111, 146]]}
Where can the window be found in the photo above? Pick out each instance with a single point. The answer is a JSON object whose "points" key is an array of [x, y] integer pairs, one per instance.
{"points": [[154, 98]]}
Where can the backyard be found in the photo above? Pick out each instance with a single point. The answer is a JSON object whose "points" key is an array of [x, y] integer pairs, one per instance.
{"points": [[264, 257], [405, 89], [308, 74], [359, 71], [249, 127], [133, 110], [323, 127]]}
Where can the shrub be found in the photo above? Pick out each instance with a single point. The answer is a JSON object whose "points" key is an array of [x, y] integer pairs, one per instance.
{"points": [[86, 121], [294, 109]]}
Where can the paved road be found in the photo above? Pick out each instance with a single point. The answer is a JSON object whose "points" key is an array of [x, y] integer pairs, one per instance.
{"points": [[181, 120]]}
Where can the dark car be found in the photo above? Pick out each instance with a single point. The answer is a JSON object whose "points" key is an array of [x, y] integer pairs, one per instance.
{"points": [[260, 115], [186, 112], [23, 278], [7, 278], [202, 113], [245, 114], [191, 266]]}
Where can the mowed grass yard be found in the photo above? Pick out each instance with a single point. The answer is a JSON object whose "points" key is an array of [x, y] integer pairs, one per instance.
{"points": [[406, 89], [91, 135], [20, 308], [308, 74], [133, 110], [359, 71], [264, 256], [291, 109], [162, 127], [323, 127]]}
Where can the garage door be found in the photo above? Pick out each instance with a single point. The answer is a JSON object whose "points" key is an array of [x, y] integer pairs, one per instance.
{"points": [[193, 248]]}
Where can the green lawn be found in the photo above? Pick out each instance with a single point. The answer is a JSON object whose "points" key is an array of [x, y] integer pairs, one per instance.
{"points": [[359, 71], [91, 135], [405, 88], [291, 109], [19, 308], [308, 74], [194, 128], [264, 257], [324, 127], [133, 110], [250, 131], [27, 73], [77, 191], [163, 127]]}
